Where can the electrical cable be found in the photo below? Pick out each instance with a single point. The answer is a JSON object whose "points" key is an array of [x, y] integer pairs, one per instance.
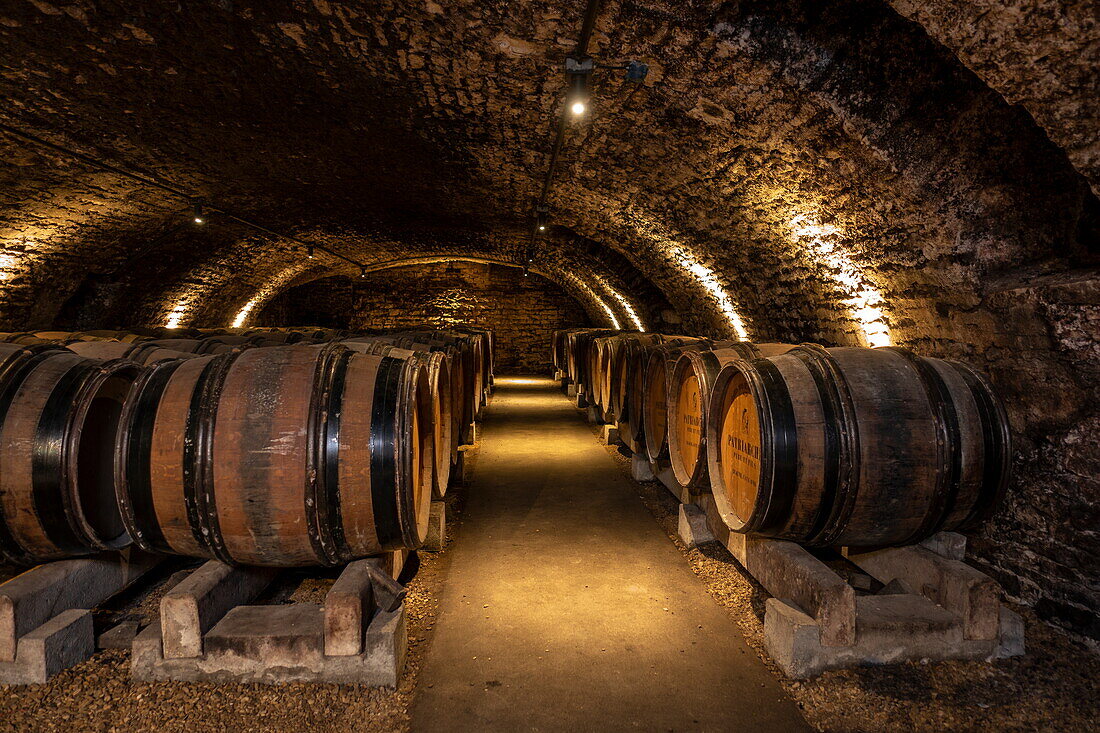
{"points": [[171, 189]]}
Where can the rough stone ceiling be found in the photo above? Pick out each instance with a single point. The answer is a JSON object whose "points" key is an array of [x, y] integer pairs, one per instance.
{"points": [[814, 171]]}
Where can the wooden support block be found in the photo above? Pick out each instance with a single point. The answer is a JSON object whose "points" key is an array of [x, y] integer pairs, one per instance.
{"points": [[194, 606], [33, 598]]}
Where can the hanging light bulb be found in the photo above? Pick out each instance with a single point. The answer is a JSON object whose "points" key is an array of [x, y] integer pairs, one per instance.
{"points": [[198, 217], [362, 271], [577, 71], [309, 252]]}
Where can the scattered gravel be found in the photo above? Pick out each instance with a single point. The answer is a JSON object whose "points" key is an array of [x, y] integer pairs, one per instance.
{"points": [[1053, 687]]}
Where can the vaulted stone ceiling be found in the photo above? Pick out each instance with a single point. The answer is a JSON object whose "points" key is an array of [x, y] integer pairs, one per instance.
{"points": [[849, 172], [820, 149]]}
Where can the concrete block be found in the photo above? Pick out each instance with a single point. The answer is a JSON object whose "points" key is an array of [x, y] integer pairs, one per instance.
{"points": [[558, 375], [792, 639], [594, 415], [1011, 641], [641, 469], [692, 528], [571, 391], [274, 636], [961, 589], [892, 629], [611, 435], [194, 606], [279, 644], [33, 598], [951, 545], [437, 527], [348, 604], [469, 434], [788, 571], [63, 641], [581, 400]]}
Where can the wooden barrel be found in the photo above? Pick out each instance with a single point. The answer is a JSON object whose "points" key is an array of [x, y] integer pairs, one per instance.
{"points": [[580, 359], [654, 394], [104, 335], [857, 447], [474, 364], [618, 386], [439, 380], [689, 393], [285, 456], [59, 415], [148, 352], [461, 385]]}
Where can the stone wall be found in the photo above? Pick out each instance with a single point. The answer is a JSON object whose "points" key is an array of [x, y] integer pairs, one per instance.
{"points": [[522, 312]]}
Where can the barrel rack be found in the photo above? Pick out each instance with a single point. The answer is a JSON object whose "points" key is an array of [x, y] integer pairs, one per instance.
{"points": [[206, 628], [842, 609]]}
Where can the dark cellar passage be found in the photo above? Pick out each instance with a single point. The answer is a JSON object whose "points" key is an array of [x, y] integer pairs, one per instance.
{"points": [[566, 608]]}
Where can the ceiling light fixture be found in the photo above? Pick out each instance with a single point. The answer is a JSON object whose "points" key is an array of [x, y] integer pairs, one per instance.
{"points": [[577, 72], [198, 217]]}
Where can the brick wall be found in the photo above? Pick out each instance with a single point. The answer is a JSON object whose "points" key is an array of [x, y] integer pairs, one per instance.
{"points": [[522, 312]]}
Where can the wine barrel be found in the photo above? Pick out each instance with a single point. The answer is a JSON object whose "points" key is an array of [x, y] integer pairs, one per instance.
{"points": [[59, 415], [689, 395], [474, 367], [286, 456], [104, 335], [857, 447], [147, 352], [462, 388], [580, 358], [618, 377], [439, 381], [654, 398]]}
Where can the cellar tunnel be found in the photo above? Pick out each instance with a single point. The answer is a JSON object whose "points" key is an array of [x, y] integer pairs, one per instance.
{"points": [[852, 173]]}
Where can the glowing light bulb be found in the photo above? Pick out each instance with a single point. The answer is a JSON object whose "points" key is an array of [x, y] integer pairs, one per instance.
{"points": [[542, 227], [200, 220], [578, 108]]}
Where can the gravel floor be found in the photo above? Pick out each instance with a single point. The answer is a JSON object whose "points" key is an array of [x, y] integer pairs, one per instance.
{"points": [[98, 694], [1053, 687]]}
